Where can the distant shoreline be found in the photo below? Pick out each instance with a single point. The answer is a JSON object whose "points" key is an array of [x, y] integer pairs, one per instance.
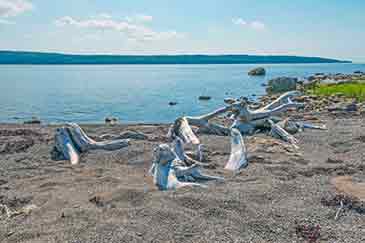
{"points": [[42, 58]]}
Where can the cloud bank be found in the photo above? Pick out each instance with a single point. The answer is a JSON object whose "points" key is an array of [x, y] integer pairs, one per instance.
{"points": [[134, 28]]}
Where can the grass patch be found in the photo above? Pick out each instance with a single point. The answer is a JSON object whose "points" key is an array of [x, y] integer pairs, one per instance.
{"points": [[355, 90]]}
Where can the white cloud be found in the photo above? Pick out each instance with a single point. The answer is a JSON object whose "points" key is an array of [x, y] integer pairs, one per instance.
{"points": [[133, 30], [11, 8], [256, 25], [239, 21]]}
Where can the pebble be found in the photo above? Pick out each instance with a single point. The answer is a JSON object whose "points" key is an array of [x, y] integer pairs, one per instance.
{"points": [[203, 97], [172, 103]]}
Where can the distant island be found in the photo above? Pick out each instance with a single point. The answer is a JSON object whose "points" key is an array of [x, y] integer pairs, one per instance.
{"points": [[42, 58]]}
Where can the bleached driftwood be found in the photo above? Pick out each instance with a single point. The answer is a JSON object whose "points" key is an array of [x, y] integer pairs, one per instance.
{"points": [[85, 143], [280, 133], [170, 173], [182, 130], [245, 119], [284, 99], [71, 140], [178, 147], [65, 146], [311, 126], [238, 157], [205, 126]]}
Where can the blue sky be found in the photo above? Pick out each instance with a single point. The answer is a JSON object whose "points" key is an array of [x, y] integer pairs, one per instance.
{"points": [[328, 28]]}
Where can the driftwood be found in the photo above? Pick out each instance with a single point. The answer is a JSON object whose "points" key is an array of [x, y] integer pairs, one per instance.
{"points": [[238, 157], [182, 130], [85, 143], [246, 121], [280, 133], [178, 148], [65, 146], [170, 173], [71, 141]]}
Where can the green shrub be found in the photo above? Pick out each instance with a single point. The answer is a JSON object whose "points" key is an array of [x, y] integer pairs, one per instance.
{"points": [[354, 90]]}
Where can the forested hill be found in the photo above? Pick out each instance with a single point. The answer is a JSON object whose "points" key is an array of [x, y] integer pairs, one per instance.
{"points": [[16, 57]]}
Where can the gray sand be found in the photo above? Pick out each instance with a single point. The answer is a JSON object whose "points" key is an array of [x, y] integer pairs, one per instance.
{"points": [[110, 197]]}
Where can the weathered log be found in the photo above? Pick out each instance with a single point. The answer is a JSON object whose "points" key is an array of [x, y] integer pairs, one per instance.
{"points": [[181, 154], [210, 128], [164, 175], [282, 104], [170, 173], [311, 126], [238, 157], [245, 119], [283, 99], [280, 133], [65, 146], [182, 129], [85, 143], [290, 126]]}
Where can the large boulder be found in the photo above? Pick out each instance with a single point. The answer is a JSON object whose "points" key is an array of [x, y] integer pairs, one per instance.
{"points": [[260, 71], [282, 84]]}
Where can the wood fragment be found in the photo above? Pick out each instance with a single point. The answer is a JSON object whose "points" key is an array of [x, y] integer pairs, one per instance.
{"points": [[65, 146], [238, 157], [170, 173], [339, 210]]}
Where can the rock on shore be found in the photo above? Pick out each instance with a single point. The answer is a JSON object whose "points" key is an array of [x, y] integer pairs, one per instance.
{"points": [[259, 71], [281, 84]]}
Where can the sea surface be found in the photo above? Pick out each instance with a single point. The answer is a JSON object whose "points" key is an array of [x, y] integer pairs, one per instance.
{"points": [[134, 93]]}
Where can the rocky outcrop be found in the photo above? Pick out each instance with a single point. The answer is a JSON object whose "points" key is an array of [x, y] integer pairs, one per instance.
{"points": [[260, 71], [282, 84]]}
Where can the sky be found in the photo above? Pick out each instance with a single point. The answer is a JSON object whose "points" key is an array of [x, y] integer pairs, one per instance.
{"points": [[326, 28]]}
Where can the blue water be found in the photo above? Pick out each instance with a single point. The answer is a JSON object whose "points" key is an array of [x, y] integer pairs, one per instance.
{"points": [[133, 93]]}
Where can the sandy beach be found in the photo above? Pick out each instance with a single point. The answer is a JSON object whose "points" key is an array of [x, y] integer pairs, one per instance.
{"points": [[110, 196]]}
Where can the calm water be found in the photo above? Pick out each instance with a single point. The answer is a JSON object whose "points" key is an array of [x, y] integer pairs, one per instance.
{"points": [[133, 93]]}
